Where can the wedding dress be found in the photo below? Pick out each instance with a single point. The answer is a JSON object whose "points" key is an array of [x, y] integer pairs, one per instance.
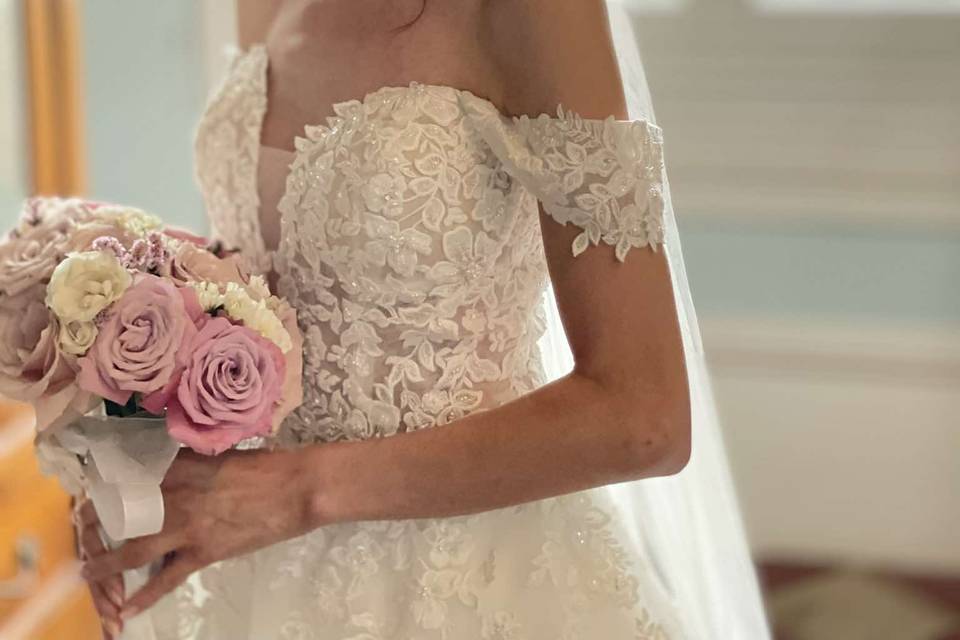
{"points": [[411, 247]]}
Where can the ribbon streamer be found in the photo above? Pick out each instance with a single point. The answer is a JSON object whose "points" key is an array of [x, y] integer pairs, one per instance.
{"points": [[125, 460]]}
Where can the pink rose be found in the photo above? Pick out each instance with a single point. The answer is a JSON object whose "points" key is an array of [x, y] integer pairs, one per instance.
{"points": [[229, 389], [32, 367], [140, 345], [192, 263]]}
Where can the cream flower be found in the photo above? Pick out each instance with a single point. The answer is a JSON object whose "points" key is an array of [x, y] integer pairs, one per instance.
{"points": [[208, 293], [77, 336], [256, 315], [259, 315], [85, 284], [258, 285], [134, 221]]}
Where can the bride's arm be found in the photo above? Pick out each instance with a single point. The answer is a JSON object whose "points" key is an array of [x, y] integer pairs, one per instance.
{"points": [[621, 414]]}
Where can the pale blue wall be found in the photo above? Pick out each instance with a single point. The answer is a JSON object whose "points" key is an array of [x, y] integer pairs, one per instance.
{"points": [[144, 86], [13, 125], [145, 90], [796, 270]]}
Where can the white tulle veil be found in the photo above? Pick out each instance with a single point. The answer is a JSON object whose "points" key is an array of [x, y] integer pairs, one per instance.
{"points": [[689, 524]]}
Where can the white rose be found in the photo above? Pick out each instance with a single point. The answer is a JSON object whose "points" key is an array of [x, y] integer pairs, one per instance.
{"points": [[77, 336], [86, 283]]}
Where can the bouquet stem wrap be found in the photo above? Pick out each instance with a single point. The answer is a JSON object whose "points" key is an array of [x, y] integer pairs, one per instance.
{"points": [[125, 460]]}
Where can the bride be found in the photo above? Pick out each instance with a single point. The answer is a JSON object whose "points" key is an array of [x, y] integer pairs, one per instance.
{"points": [[415, 175]]}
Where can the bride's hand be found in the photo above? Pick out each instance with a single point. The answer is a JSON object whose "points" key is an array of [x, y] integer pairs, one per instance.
{"points": [[214, 508], [107, 594]]}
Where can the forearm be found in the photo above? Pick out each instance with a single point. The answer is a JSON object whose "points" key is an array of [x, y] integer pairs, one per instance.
{"points": [[569, 435]]}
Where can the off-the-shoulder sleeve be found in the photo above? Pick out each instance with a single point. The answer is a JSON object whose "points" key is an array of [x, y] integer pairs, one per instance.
{"points": [[604, 176]]}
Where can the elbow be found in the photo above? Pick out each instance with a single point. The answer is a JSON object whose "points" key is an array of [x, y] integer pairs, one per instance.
{"points": [[676, 454], [653, 436], [659, 439]]}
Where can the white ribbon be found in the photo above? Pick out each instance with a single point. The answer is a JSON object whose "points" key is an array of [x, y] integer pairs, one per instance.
{"points": [[125, 462]]}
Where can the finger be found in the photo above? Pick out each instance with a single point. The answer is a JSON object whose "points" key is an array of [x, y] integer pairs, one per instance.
{"points": [[92, 545], [105, 630], [112, 589], [168, 579], [134, 553], [90, 542], [111, 629], [87, 514], [109, 613], [103, 603]]}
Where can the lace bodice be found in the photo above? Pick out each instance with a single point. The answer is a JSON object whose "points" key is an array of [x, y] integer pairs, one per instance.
{"points": [[410, 244], [410, 239]]}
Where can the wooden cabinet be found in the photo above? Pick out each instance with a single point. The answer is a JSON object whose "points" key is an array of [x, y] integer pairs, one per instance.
{"points": [[41, 151], [41, 594]]}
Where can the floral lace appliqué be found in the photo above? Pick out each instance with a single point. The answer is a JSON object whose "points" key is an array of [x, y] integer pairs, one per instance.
{"points": [[411, 247]]}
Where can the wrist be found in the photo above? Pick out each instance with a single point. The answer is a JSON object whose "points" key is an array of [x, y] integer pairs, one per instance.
{"points": [[319, 494]]}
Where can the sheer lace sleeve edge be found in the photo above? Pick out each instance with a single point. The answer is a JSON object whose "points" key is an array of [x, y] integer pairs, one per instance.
{"points": [[606, 176]]}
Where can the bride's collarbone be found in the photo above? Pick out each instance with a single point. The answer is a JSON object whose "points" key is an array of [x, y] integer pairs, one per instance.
{"points": [[327, 52], [295, 98]]}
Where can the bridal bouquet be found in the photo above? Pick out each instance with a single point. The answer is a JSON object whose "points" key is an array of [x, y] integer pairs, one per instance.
{"points": [[131, 339]]}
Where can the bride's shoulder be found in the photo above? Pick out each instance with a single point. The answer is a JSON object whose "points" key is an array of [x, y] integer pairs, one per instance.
{"points": [[254, 18], [552, 53]]}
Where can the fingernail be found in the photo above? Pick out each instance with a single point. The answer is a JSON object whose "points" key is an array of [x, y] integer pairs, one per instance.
{"points": [[116, 596], [112, 627], [129, 612]]}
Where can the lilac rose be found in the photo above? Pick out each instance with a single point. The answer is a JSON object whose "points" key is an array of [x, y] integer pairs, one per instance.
{"points": [[140, 343], [49, 229], [32, 366], [193, 263], [230, 389]]}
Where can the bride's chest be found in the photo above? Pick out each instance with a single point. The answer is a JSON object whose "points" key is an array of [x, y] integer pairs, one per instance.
{"points": [[396, 186]]}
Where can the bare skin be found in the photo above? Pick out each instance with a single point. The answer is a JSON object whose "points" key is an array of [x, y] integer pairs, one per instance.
{"points": [[623, 412]]}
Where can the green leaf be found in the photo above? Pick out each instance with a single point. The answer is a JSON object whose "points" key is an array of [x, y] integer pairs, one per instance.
{"points": [[121, 410]]}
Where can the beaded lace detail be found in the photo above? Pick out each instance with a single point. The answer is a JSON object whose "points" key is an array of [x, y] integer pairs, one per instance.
{"points": [[226, 149], [410, 241], [411, 248]]}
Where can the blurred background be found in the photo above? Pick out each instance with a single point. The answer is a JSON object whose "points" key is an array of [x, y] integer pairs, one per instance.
{"points": [[814, 154]]}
